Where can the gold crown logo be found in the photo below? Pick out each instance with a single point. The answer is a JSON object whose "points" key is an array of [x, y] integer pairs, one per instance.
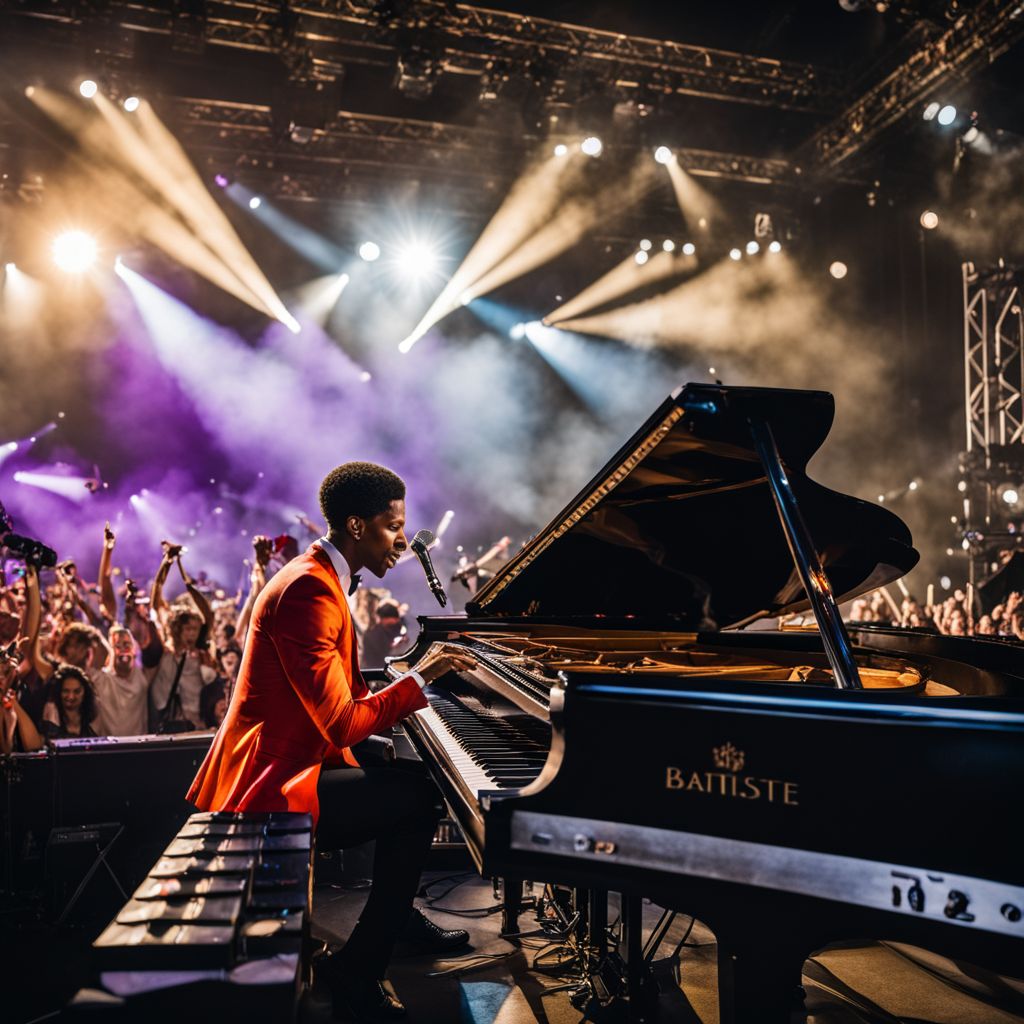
{"points": [[728, 757]]}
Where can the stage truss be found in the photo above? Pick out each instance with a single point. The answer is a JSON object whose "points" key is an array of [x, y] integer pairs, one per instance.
{"points": [[994, 414]]}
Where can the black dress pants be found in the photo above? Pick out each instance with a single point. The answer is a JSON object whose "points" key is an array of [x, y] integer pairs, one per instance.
{"points": [[398, 808]]}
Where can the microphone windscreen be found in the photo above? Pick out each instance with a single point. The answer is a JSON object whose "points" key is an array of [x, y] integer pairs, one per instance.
{"points": [[422, 540]]}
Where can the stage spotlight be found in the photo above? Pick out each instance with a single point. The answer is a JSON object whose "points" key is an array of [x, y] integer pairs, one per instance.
{"points": [[668, 245], [517, 332], [88, 88], [366, 376], [689, 249], [74, 251], [734, 254], [775, 246], [1008, 493], [255, 203], [221, 180], [971, 135], [561, 149], [912, 486], [417, 260], [131, 104], [838, 270], [10, 267], [646, 245], [592, 145], [930, 111], [663, 155], [947, 115], [369, 251], [641, 257], [753, 248], [929, 220]]}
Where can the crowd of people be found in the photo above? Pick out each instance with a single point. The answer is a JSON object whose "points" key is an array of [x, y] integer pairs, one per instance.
{"points": [[957, 615], [114, 658]]}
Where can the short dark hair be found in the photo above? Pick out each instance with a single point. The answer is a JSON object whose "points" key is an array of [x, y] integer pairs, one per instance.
{"points": [[361, 489], [77, 632], [388, 610]]}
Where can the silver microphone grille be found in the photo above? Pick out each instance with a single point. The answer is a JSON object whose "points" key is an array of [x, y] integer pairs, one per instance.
{"points": [[422, 540]]}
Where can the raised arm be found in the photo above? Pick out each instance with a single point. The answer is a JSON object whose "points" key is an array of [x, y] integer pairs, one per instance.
{"points": [[257, 581], [33, 651], [33, 614], [156, 594], [199, 597], [108, 599]]}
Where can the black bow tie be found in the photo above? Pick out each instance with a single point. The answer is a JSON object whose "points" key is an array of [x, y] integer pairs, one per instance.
{"points": [[354, 585]]}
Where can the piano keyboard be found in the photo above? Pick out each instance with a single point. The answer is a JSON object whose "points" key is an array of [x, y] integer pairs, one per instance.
{"points": [[488, 751]]}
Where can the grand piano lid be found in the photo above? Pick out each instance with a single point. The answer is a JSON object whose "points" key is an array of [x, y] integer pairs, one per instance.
{"points": [[681, 525]]}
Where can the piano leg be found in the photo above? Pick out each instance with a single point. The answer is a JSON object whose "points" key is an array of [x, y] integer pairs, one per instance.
{"points": [[597, 923], [511, 905], [632, 953], [759, 982]]}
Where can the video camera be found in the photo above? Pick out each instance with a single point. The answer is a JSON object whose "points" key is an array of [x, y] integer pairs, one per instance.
{"points": [[34, 552]]}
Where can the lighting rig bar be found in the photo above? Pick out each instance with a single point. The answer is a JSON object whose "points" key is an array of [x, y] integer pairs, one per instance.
{"points": [[977, 38], [319, 36], [423, 147]]}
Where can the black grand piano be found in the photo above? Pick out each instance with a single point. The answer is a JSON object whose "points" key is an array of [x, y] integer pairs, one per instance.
{"points": [[622, 731]]}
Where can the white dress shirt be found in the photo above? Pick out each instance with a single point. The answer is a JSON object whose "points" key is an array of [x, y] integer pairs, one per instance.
{"points": [[344, 574]]}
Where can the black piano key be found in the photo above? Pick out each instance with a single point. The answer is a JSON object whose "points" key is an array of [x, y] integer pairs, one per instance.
{"points": [[511, 750]]}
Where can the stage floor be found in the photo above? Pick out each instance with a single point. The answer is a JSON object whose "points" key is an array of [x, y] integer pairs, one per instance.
{"points": [[492, 982]]}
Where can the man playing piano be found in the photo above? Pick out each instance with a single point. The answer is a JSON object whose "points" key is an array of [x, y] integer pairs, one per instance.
{"points": [[300, 704]]}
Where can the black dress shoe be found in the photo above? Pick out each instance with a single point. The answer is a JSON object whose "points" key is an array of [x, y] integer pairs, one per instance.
{"points": [[357, 998], [429, 937]]}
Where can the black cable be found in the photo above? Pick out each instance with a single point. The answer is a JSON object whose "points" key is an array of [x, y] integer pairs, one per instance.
{"points": [[468, 911], [431, 900], [469, 963], [424, 890]]}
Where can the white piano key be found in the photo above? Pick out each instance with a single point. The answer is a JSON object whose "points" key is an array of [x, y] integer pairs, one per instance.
{"points": [[472, 774]]}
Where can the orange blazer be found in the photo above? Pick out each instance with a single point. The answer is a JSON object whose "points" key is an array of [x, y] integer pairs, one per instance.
{"points": [[299, 700]]}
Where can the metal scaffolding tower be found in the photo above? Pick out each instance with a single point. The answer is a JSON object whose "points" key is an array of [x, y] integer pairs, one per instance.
{"points": [[992, 467]]}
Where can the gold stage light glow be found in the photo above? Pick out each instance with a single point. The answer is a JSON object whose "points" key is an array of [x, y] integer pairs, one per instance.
{"points": [[74, 252], [697, 205], [140, 179], [625, 277], [550, 209]]}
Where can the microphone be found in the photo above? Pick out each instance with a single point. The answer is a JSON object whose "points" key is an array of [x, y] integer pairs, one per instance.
{"points": [[420, 543]]}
